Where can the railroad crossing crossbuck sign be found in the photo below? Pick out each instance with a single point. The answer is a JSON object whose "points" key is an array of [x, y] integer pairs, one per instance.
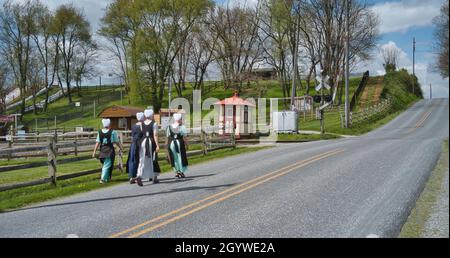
{"points": [[322, 83]]}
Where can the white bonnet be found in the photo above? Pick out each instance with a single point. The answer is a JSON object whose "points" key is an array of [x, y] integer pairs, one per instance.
{"points": [[148, 112], [139, 116], [177, 117], [106, 122]]}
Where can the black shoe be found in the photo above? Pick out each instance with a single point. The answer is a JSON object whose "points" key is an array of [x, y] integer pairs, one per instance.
{"points": [[156, 181], [182, 175], [151, 179], [139, 181]]}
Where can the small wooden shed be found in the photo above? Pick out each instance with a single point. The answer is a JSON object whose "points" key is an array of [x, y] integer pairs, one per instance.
{"points": [[122, 117], [234, 112]]}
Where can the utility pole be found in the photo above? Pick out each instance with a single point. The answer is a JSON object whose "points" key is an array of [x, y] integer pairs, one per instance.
{"points": [[431, 92], [414, 64], [295, 62], [347, 59], [169, 84]]}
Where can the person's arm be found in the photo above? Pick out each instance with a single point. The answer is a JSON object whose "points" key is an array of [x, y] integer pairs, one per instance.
{"points": [[95, 149], [166, 142], [155, 136], [117, 141], [185, 138]]}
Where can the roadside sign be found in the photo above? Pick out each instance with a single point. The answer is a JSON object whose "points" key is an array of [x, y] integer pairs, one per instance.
{"points": [[322, 83]]}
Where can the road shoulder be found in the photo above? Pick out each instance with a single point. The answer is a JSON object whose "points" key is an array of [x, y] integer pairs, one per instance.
{"points": [[430, 217]]}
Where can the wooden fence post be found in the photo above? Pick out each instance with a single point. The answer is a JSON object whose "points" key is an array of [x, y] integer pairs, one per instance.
{"points": [[51, 159], [75, 147], [233, 138], [204, 142], [10, 146]]}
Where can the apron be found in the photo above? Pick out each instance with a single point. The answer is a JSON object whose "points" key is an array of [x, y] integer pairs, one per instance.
{"points": [[179, 148], [148, 159]]}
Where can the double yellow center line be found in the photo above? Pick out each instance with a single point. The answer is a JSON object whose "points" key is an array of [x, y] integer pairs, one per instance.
{"points": [[184, 211], [421, 122]]}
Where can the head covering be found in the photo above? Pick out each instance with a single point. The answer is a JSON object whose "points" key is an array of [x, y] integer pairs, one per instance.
{"points": [[106, 122], [177, 117], [140, 116], [148, 113]]}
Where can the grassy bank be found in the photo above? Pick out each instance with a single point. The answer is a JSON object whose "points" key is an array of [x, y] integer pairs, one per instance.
{"points": [[17, 198], [415, 225], [397, 87]]}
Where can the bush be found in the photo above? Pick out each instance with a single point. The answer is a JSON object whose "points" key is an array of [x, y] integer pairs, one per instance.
{"points": [[398, 87]]}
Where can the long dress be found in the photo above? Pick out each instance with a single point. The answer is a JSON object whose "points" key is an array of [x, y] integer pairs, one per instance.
{"points": [[106, 138], [147, 152], [177, 149], [133, 159]]}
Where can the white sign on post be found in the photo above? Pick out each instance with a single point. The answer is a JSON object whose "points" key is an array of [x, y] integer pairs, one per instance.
{"points": [[165, 120], [322, 83]]}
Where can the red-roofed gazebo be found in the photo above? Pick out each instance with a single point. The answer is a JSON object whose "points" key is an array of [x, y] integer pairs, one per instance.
{"points": [[236, 113]]}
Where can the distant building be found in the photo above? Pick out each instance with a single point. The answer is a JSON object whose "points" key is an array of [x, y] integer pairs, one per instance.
{"points": [[268, 73], [122, 117], [165, 114]]}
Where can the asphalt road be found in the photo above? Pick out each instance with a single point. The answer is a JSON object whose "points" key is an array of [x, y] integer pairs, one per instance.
{"points": [[351, 187]]}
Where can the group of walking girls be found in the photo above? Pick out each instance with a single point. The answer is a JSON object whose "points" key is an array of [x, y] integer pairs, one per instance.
{"points": [[142, 163]]}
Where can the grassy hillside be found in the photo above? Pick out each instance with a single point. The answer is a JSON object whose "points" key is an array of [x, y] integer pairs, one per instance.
{"points": [[396, 85], [69, 116]]}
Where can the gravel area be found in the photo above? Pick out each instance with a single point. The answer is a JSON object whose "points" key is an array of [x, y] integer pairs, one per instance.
{"points": [[438, 224]]}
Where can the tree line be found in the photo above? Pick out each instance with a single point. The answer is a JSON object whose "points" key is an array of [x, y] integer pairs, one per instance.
{"points": [[42, 48], [153, 42]]}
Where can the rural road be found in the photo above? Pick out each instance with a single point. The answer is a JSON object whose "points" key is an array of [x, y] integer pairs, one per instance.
{"points": [[348, 187]]}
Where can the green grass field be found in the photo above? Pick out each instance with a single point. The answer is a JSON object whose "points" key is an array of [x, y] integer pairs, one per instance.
{"points": [[69, 116], [16, 198]]}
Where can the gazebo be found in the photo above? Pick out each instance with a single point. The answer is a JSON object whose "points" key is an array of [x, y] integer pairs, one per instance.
{"points": [[235, 113]]}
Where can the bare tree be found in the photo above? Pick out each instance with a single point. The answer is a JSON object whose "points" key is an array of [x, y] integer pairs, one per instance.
{"points": [[73, 30], [119, 27], [327, 19], [181, 65], [238, 47], [84, 64], [390, 56], [35, 78], [202, 49], [42, 37], [276, 23], [442, 40], [4, 87], [16, 21]]}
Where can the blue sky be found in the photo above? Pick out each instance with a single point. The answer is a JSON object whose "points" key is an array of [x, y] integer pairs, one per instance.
{"points": [[401, 20]]}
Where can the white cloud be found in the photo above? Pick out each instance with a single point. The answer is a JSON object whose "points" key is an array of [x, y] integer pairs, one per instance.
{"points": [[402, 15]]}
